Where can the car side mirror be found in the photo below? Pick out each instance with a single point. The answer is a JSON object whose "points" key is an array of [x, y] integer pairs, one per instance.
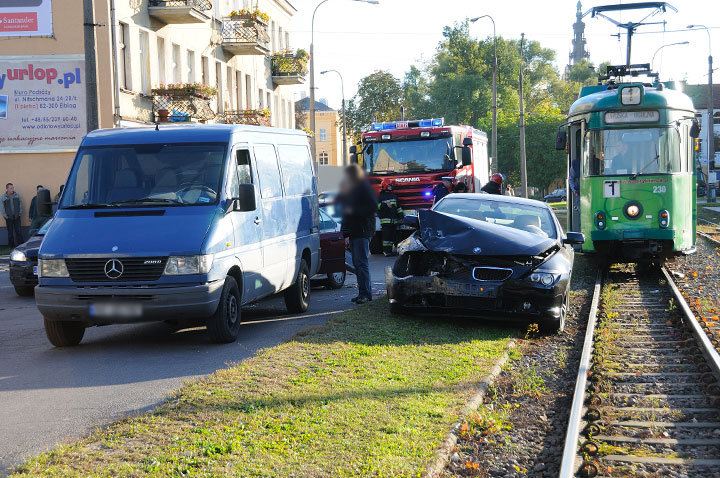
{"points": [[574, 238], [44, 204], [695, 129], [411, 221], [561, 140], [246, 200], [466, 156]]}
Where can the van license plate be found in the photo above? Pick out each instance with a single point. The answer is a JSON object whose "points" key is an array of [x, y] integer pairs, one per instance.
{"points": [[123, 310]]}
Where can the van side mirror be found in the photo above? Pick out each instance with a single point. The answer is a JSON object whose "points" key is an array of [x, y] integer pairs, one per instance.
{"points": [[246, 200], [466, 156], [574, 238], [44, 204], [353, 149], [695, 129], [467, 142], [411, 221], [561, 140]]}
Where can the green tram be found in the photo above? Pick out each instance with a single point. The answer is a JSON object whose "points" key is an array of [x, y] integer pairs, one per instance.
{"points": [[631, 152]]}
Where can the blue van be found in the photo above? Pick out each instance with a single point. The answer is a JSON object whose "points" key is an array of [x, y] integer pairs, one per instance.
{"points": [[180, 222]]}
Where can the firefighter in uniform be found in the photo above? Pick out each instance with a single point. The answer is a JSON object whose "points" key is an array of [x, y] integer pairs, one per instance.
{"points": [[390, 214], [494, 186]]}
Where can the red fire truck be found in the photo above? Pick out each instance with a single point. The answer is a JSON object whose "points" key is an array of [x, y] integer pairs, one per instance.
{"points": [[413, 156]]}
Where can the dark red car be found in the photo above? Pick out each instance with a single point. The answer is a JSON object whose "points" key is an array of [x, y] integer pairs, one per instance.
{"points": [[332, 252]]}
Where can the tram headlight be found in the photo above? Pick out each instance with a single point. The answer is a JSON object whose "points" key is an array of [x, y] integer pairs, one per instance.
{"points": [[664, 217], [633, 210], [600, 220]]}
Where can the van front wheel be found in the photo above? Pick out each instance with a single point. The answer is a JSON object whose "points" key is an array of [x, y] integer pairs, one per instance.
{"points": [[224, 325], [64, 334], [297, 296]]}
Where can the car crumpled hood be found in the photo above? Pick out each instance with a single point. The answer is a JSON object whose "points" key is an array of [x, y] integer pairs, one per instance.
{"points": [[460, 235]]}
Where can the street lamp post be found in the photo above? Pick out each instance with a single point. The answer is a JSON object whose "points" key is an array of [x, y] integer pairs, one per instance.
{"points": [[494, 88], [313, 143], [652, 63], [344, 123], [710, 147]]}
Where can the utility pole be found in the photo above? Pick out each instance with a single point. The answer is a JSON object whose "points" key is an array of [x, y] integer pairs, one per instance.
{"points": [[523, 163], [710, 147], [91, 96]]}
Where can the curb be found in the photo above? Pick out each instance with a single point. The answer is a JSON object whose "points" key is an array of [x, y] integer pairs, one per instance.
{"points": [[442, 456]]}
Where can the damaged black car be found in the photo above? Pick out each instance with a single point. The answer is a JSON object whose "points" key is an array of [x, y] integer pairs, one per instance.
{"points": [[496, 257]]}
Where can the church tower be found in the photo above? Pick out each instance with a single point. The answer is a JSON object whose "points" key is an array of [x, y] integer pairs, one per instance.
{"points": [[578, 51]]}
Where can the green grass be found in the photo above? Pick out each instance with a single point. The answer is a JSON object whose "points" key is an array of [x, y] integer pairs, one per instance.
{"points": [[368, 394], [558, 205]]}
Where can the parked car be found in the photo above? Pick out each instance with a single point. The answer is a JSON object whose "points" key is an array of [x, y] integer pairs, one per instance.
{"points": [[332, 252], [180, 222], [497, 257], [23, 263], [558, 195]]}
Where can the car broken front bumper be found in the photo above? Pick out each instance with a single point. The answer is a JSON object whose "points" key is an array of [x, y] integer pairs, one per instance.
{"points": [[504, 301]]}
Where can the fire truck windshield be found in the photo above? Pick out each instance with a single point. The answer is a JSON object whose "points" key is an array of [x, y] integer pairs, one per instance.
{"points": [[399, 157]]}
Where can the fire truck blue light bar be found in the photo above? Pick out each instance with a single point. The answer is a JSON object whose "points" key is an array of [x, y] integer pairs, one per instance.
{"points": [[425, 123]]}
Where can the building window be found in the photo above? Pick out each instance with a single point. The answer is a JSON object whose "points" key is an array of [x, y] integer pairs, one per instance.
{"points": [[176, 63], [261, 99], [219, 87], [190, 67], [205, 67], [238, 90], [124, 73], [324, 159], [144, 62], [322, 135], [229, 98], [248, 92], [161, 60]]}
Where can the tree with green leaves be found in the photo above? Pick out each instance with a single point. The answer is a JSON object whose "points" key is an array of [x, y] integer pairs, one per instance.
{"points": [[378, 98]]}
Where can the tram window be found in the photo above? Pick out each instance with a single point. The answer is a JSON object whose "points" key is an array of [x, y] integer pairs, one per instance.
{"points": [[635, 151]]}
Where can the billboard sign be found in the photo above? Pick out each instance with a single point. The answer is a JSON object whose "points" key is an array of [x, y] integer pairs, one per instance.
{"points": [[19, 18], [42, 103]]}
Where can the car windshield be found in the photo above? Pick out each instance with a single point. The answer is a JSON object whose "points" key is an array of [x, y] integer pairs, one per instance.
{"points": [[146, 175], [537, 220], [417, 156], [43, 230], [634, 151]]}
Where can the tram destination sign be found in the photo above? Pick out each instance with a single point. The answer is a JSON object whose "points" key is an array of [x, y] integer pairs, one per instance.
{"points": [[617, 117]]}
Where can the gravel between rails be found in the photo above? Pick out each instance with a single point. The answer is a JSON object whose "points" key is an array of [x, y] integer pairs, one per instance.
{"points": [[520, 430]]}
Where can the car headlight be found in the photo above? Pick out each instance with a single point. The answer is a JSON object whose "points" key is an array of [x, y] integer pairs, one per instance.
{"points": [[18, 256], [53, 268], [545, 278], [183, 265]]}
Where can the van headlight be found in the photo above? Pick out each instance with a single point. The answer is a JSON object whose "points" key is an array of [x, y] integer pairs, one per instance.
{"points": [[545, 278], [183, 265], [18, 256], [52, 268]]}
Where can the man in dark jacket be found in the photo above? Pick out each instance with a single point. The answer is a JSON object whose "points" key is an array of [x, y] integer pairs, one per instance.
{"points": [[390, 214], [36, 221], [11, 210], [442, 189], [494, 186], [358, 223]]}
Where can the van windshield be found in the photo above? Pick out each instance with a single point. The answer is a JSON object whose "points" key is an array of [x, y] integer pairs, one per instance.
{"points": [[146, 175]]}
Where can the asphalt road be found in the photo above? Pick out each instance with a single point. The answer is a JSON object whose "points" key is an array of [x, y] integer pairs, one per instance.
{"points": [[49, 395]]}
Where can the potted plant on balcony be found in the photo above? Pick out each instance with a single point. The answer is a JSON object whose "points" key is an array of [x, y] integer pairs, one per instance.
{"points": [[288, 63], [196, 90], [250, 16]]}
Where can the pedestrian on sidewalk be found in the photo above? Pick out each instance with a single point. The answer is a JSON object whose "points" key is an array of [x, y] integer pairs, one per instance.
{"points": [[11, 210], [390, 214], [36, 221], [359, 204]]}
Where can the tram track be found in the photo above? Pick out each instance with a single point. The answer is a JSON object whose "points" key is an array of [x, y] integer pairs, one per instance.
{"points": [[647, 398]]}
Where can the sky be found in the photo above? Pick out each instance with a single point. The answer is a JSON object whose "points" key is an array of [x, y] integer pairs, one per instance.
{"points": [[357, 38]]}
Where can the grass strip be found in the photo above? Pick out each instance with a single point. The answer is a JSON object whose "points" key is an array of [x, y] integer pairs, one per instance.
{"points": [[368, 394]]}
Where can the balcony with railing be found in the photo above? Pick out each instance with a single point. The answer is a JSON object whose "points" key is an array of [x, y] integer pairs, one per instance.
{"points": [[259, 117], [245, 34], [179, 103], [289, 68], [180, 11]]}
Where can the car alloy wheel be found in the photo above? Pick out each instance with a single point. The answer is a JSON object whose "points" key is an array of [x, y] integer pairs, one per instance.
{"points": [[231, 310]]}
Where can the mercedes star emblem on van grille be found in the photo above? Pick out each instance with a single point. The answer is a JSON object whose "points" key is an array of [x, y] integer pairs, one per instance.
{"points": [[113, 269]]}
